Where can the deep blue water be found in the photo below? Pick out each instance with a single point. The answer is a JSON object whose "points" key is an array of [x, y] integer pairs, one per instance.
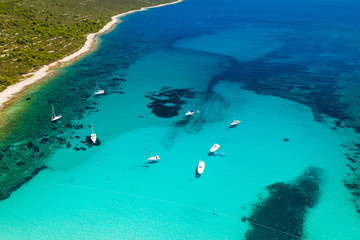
{"points": [[287, 69]]}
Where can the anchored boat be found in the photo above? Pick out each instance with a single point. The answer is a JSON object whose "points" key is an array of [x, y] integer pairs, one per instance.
{"points": [[189, 112], [54, 117], [97, 90], [93, 135], [200, 168], [234, 123], [154, 158], [214, 148]]}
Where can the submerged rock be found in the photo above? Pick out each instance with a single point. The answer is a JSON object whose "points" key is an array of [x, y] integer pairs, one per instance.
{"points": [[30, 145], [167, 102]]}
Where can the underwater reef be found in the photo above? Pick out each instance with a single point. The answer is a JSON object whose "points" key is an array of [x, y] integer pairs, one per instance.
{"points": [[282, 213]]}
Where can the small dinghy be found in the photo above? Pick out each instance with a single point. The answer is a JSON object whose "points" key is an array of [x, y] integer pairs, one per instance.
{"points": [[154, 158], [54, 117], [214, 148], [234, 123], [200, 169]]}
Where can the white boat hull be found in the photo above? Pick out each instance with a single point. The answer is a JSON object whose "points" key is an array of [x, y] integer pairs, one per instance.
{"points": [[189, 113], [154, 158], [93, 137], [234, 123], [56, 118], [200, 167], [214, 148], [99, 92]]}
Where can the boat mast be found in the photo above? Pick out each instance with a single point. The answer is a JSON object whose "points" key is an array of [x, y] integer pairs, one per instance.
{"points": [[53, 112], [96, 86]]}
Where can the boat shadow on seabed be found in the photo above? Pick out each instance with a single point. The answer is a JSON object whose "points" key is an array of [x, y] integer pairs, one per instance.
{"points": [[197, 174], [90, 143]]}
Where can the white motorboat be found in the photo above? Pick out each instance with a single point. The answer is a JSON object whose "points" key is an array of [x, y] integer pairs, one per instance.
{"points": [[200, 167], [214, 148], [93, 135], [234, 123], [97, 90], [154, 158], [55, 117]]}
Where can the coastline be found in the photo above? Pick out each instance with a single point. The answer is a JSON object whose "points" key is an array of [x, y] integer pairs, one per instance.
{"points": [[45, 71]]}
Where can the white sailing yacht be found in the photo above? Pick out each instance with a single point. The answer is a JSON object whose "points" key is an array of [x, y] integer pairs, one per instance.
{"points": [[189, 113], [235, 122], [97, 90], [93, 135], [54, 117]]}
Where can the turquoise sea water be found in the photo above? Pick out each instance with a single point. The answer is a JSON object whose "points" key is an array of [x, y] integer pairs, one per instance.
{"points": [[279, 67]]}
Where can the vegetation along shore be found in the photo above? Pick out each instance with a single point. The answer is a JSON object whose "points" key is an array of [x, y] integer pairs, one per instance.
{"points": [[36, 35]]}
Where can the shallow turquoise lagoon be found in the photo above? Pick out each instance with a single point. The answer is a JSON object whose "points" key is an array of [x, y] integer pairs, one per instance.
{"points": [[154, 67]]}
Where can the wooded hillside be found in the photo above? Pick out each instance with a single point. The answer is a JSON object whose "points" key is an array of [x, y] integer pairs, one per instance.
{"points": [[38, 32]]}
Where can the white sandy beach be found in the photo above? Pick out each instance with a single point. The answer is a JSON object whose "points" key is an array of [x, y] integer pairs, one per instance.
{"points": [[11, 91]]}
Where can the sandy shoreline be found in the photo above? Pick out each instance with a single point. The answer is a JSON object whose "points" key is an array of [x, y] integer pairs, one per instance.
{"points": [[45, 71]]}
